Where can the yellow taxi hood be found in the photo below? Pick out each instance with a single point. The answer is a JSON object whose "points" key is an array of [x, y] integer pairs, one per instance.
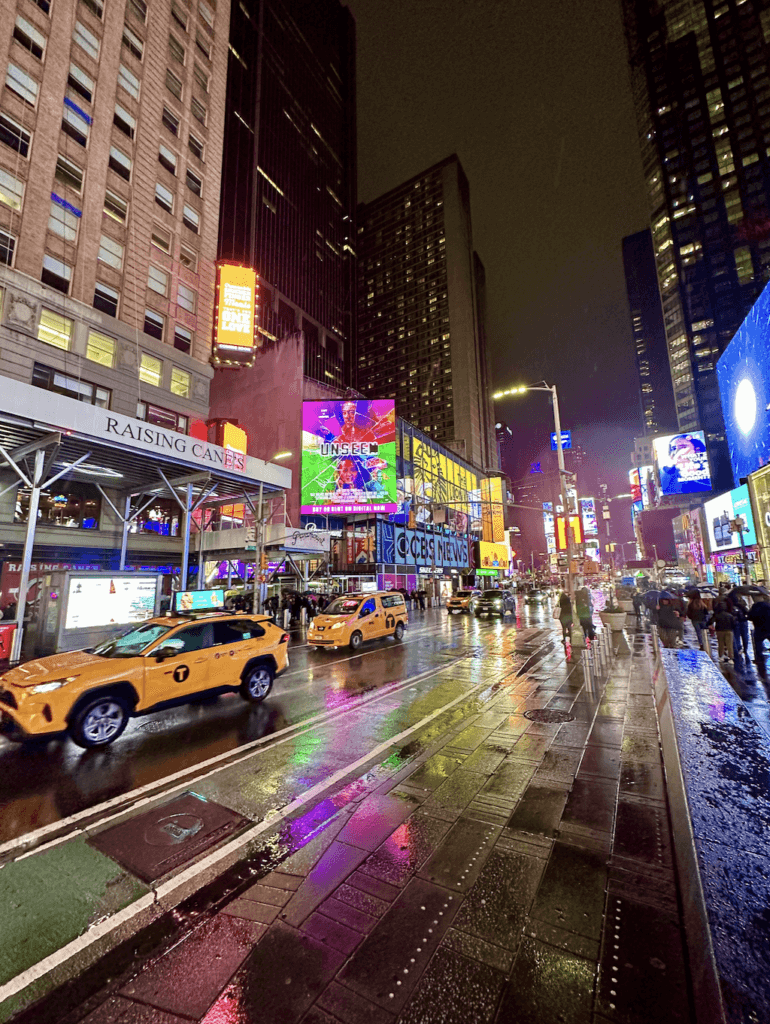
{"points": [[329, 620], [69, 663]]}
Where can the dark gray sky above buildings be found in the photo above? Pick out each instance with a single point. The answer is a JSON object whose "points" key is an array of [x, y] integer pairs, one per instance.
{"points": [[535, 99]]}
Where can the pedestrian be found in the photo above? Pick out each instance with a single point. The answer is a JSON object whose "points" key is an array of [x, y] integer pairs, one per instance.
{"points": [[759, 615], [698, 614], [421, 596], [740, 610], [584, 606], [724, 623], [669, 622], [565, 616], [638, 602], [413, 597]]}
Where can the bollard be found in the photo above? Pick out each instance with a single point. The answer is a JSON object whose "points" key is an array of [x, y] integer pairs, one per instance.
{"points": [[586, 668], [286, 618], [303, 617]]}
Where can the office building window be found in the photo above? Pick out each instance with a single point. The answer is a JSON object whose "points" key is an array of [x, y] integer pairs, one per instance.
{"points": [[29, 37], [161, 417], [167, 158], [69, 174], [124, 121], [13, 135], [128, 81], [179, 16], [95, 7], [138, 8], [206, 13], [133, 43], [157, 280], [106, 299], [201, 77], [175, 49], [11, 190], [75, 122], [194, 183], [55, 329], [198, 111], [81, 83], [191, 219], [120, 163], [161, 239], [86, 40], [7, 248], [100, 349], [180, 382], [63, 222], [115, 207], [111, 252], [203, 45], [56, 274], [44, 5], [154, 324], [195, 146], [150, 370], [188, 258], [182, 339], [164, 198], [21, 83], [49, 379], [186, 298], [173, 85], [171, 121]]}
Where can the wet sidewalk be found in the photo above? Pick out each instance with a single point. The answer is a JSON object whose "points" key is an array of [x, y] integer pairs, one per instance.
{"points": [[520, 871]]}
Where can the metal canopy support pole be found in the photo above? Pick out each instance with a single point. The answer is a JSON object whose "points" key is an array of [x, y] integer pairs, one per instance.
{"points": [[124, 539], [29, 542], [563, 492], [258, 549], [187, 508]]}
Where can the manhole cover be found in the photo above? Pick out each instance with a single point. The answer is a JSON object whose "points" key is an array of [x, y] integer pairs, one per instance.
{"points": [[549, 715]]}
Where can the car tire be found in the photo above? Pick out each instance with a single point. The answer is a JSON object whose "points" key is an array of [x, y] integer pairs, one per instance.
{"points": [[257, 683], [355, 641], [398, 632], [99, 721]]}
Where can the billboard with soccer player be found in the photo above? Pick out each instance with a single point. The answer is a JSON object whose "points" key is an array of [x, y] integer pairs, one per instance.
{"points": [[349, 457]]}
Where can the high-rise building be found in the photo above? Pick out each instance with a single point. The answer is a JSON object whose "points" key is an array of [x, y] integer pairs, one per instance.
{"points": [[289, 172], [421, 307], [656, 393], [701, 84]]}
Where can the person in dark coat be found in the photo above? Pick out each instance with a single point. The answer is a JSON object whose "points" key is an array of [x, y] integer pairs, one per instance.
{"points": [[759, 615], [638, 601], [584, 606], [740, 610], [670, 624], [698, 614], [724, 623], [421, 596], [565, 616]]}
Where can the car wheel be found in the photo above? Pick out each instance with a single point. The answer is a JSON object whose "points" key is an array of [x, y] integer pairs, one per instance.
{"points": [[356, 641], [99, 721], [257, 683], [398, 632]]}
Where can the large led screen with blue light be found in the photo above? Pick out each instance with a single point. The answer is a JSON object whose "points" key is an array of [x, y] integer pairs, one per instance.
{"points": [[744, 385]]}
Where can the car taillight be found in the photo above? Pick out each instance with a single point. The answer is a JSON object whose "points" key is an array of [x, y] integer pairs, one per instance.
{"points": [[284, 639]]}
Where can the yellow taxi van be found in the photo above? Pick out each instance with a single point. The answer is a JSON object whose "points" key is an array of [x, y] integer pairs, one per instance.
{"points": [[353, 618], [162, 662]]}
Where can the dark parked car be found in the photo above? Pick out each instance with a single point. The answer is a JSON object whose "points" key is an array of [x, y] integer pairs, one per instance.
{"points": [[494, 602]]}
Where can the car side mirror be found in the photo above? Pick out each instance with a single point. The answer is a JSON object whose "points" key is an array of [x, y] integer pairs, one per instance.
{"points": [[165, 652]]}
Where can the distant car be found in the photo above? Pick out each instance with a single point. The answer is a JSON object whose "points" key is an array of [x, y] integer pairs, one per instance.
{"points": [[536, 597], [494, 602], [462, 600], [353, 618]]}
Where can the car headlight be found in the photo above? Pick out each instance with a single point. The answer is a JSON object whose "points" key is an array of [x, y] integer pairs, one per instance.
{"points": [[338, 625], [53, 685]]}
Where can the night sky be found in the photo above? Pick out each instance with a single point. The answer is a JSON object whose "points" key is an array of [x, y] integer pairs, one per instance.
{"points": [[535, 99]]}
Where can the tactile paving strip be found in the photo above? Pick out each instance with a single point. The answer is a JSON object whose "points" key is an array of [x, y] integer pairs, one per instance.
{"points": [[457, 863]]}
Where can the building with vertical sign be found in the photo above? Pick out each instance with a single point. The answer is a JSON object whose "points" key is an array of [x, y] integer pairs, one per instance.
{"points": [[236, 298]]}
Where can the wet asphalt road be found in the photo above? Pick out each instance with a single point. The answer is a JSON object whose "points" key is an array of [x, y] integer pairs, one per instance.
{"points": [[43, 783]]}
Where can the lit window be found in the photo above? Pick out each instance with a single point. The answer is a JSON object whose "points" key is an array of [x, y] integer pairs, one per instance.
{"points": [[120, 163], [191, 219], [100, 349], [186, 298], [182, 339], [164, 198], [180, 382], [176, 49], [21, 83], [157, 280], [171, 121], [161, 239], [115, 207], [132, 42], [194, 183], [124, 121], [128, 80], [173, 85], [81, 83], [167, 158], [154, 324], [195, 146], [106, 299], [11, 190], [150, 370], [201, 77], [63, 222], [188, 258], [14, 136], [87, 40], [29, 37], [55, 329], [7, 248], [56, 274], [111, 252]]}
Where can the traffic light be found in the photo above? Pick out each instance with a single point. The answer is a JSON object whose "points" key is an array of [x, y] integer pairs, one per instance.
{"points": [[263, 561]]}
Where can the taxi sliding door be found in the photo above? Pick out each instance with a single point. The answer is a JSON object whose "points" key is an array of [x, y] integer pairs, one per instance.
{"points": [[183, 673]]}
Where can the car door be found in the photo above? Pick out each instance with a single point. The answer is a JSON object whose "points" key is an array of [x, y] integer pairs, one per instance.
{"points": [[183, 673], [236, 641], [369, 619]]}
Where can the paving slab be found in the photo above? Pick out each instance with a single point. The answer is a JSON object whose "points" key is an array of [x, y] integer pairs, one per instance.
{"points": [[375, 819], [339, 861], [572, 891], [455, 990], [548, 985], [406, 850]]}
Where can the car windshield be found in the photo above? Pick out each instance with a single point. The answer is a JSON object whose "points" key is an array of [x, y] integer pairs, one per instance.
{"points": [[343, 606], [464, 593], [492, 595], [133, 642]]}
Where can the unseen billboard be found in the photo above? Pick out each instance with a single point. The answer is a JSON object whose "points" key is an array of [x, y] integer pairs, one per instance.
{"points": [[744, 387], [682, 463], [721, 511], [349, 457]]}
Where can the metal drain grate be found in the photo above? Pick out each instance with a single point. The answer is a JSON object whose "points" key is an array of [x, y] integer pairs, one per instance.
{"points": [[549, 715]]}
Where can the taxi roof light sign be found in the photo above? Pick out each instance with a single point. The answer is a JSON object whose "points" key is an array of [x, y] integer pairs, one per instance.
{"points": [[187, 601]]}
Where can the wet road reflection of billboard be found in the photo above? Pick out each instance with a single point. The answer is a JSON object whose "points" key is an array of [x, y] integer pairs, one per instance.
{"points": [[682, 463], [349, 457]]}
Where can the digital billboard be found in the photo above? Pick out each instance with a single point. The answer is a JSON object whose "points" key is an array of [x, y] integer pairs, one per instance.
{"points": [[234, 323], [744, 387], [103, 601], [588, 515], [635, 484], [349, 457], [492, 510], [682, 463], [647, 485], [736, 504], [493, 556], [561, 531]]}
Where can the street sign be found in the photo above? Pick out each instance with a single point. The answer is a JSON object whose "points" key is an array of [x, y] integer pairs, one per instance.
{"points": [[487, 572], [566, 440]]}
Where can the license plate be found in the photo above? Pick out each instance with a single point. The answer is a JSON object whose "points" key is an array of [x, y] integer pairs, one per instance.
{"points": [[320, 629]]}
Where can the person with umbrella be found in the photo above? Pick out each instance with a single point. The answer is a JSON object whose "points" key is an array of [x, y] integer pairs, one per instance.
{"points": [[670, 624], [759, 614], [740, 612]]}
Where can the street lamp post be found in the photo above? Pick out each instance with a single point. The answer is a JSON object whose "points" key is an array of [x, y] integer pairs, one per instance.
{"points": [[551, 388]]}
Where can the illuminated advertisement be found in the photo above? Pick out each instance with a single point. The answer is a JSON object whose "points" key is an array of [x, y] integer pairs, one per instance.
{"points": [[493, 556], [234, 323], [198, 600], [561, 531], [398, 545], [682, 463], [744, 387], [719, 512], [492, 510], [105, 601], [635, 485], [566, 440], [232, 439], [588, 515], [349, 457], [647, 485]]}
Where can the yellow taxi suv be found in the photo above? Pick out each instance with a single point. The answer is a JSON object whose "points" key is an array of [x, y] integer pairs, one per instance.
{"points": [[164, 662], [354, 618], [462, 600]]}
